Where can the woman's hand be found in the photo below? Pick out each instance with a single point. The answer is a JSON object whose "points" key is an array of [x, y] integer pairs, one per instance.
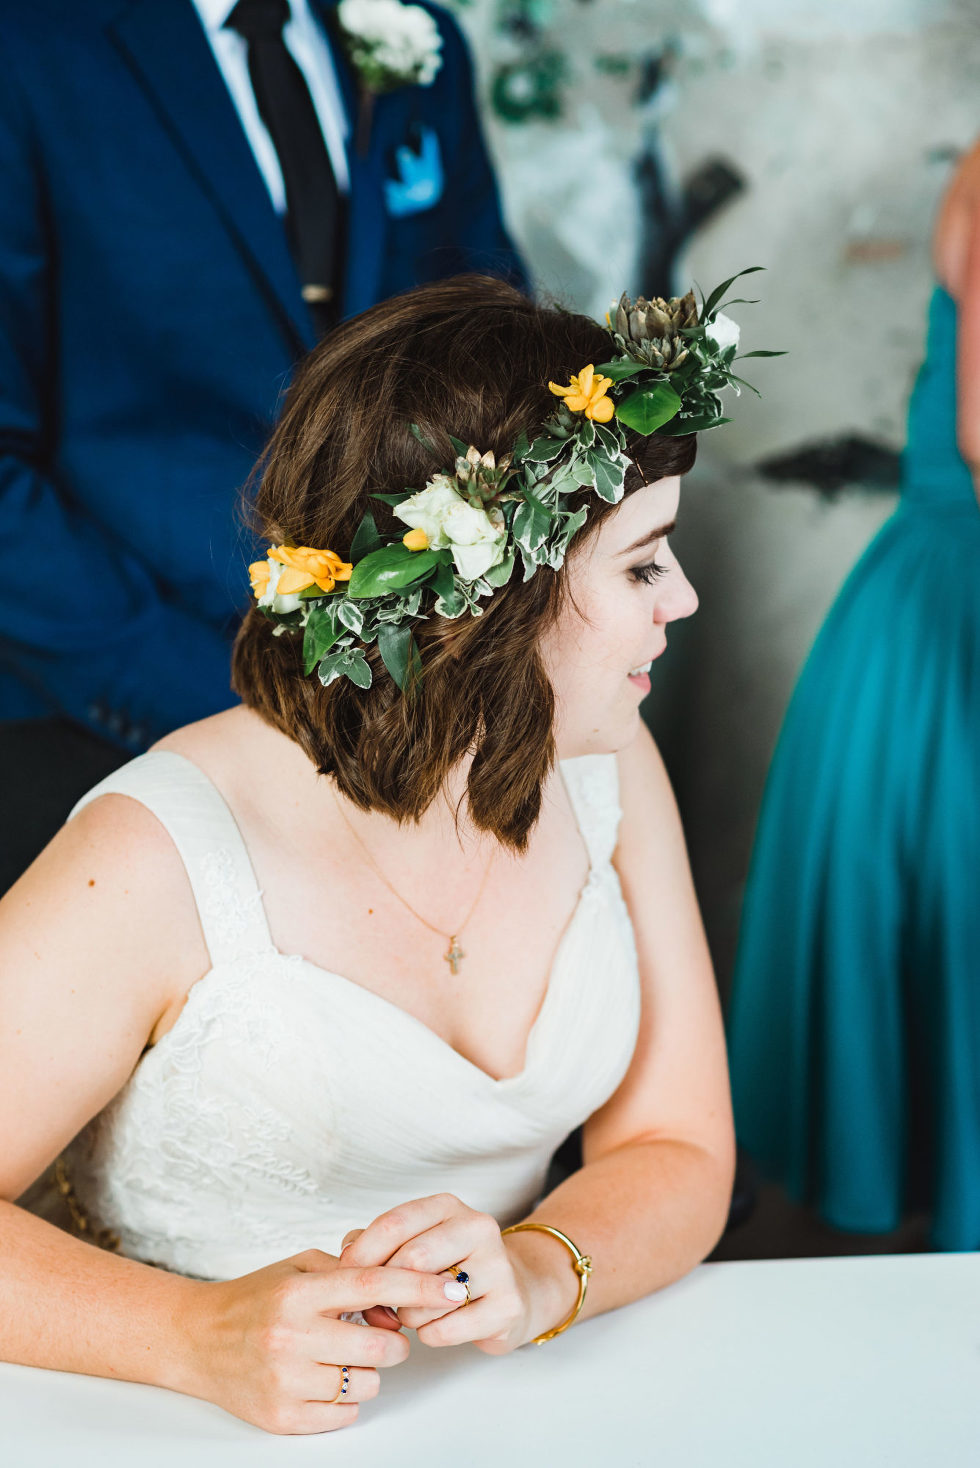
{"points": [[268, 1346], [437, 1234]]}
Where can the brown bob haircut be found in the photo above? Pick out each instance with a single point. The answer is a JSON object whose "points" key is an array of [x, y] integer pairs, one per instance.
{"points": [[470, 357]]}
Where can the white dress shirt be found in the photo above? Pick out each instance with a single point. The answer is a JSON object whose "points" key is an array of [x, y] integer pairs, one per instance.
{"points": [[308, 47]]}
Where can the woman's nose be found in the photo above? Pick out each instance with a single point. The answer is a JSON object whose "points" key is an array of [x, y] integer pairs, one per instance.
{"points": [[679, 599]]}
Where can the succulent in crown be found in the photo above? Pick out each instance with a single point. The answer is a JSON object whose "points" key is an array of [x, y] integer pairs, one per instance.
{"points": [[480, 477], [650, 331]]}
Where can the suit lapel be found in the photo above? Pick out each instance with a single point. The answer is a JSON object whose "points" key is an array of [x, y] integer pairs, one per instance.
{"points": [[367, 221], [167, 49]]}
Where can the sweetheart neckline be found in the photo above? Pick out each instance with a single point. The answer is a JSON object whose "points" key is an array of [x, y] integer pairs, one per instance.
{"points": [[498, 1083]]}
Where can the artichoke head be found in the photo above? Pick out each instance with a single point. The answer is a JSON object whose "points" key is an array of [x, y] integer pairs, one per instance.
{"points": [[649, 331]]}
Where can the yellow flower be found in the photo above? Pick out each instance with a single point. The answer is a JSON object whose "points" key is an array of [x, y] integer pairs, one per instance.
{"points": [[415, 540], [307, 567], [258, 574], [587, 394]]}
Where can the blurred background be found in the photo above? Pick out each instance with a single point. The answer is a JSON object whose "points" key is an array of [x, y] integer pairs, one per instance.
{"points": [[646, 144]]}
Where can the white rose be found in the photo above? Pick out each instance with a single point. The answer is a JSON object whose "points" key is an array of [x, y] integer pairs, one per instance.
{"points": [[478, 539], [723, 331], [290, 601], [427, 509]]}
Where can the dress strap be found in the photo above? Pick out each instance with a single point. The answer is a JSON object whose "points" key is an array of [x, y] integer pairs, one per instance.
{"points": [[193, 812], [592, 782]]}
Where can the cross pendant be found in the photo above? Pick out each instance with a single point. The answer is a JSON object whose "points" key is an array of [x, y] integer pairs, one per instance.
{"points": [[454, 954]]}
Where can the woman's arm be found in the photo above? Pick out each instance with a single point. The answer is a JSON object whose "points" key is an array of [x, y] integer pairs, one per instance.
{"points": [[87, 970], [652, 1197], [956, 250], [99, 943], [653, 1194]]}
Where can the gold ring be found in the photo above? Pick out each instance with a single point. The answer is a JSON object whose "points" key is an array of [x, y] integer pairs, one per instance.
{"points": [[344, 1386], [461, 1277]]}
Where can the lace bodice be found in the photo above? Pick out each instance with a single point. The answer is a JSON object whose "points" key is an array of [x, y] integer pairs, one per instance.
{"points": [[288, 1104]]}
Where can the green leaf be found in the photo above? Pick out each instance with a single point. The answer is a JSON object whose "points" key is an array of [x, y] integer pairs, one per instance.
{"points": [[500, 575], [461, 448], [648, 408], [742, 355], [622, 369], [395, 499], [520, 449], [358, 669], [391, 569], [444, 582], [679, 426], [543, 450], [395, 645], [719, 291], [610, 476], [416, 432], [320, 635], [366, 538], [610, 437]]}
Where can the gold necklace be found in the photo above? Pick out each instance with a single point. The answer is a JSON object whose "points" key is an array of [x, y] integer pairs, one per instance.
{"points": [[454, 954]]}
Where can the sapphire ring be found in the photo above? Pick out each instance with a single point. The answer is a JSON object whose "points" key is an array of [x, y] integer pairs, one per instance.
{"points": [[461, 1277]]}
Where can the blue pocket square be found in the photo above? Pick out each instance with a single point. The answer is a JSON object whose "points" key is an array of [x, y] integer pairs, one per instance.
{"points": [[420, 180]]}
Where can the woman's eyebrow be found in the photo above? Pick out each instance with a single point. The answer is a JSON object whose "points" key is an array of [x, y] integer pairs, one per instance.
{"points": [[649, 538]]}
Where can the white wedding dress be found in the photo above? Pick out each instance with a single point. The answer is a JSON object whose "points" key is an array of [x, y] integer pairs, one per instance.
{"points": [[288, 1105]]}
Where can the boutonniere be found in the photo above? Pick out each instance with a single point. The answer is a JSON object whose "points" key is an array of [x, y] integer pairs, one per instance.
{"points": [[389, 45]]}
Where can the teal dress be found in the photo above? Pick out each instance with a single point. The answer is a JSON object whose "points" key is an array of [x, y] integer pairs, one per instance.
{"points": [[854, 1024]]}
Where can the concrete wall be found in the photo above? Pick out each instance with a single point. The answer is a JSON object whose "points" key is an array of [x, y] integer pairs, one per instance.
{"points": [[844, 120]]}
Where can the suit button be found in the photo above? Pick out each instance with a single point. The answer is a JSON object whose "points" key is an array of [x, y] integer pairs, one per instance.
{"points": [[115, 723], [97, 712], [136, 735]]}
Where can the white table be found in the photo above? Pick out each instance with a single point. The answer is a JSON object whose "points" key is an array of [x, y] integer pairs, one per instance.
{"points": [[813, 1363]]}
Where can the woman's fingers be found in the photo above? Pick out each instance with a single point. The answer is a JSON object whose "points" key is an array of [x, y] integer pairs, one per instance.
{"points": [[381, 1239], [323, 1383], [439, 1248], [481, 1322], [357, 1289]]}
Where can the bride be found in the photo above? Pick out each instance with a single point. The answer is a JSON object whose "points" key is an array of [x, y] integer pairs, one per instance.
{"points": [[305, 998]]}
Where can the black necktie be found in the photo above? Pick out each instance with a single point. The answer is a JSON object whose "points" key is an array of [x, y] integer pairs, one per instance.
{"points": [[313, 202]]}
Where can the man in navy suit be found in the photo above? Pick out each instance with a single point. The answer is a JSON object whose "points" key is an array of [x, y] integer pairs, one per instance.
{"points": [[154, 299]]}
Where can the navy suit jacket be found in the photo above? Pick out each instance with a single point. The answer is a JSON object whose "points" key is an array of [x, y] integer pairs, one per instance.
{"points": [[150, 319]]}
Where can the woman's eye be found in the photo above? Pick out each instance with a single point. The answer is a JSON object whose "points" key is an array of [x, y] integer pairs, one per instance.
{"points": [[648, 573]]}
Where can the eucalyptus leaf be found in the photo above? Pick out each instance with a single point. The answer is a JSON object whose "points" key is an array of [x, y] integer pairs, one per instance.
{"points": [[461, 448], [742, 355], [648, 408], [416, 432], [395, 499]]}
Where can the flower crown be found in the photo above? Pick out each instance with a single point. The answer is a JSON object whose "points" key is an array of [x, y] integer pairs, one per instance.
{"points": [[471, 524]]}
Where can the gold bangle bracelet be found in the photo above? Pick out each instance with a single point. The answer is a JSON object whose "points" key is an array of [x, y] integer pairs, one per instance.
{"points": [[581, 1263]]}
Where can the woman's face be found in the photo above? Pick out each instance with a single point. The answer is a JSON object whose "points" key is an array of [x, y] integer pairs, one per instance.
{"points": [[626, 585]]}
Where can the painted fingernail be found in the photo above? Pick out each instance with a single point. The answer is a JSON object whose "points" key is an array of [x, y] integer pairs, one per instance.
{"points": [[454, 1291], [391, 1314]]}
